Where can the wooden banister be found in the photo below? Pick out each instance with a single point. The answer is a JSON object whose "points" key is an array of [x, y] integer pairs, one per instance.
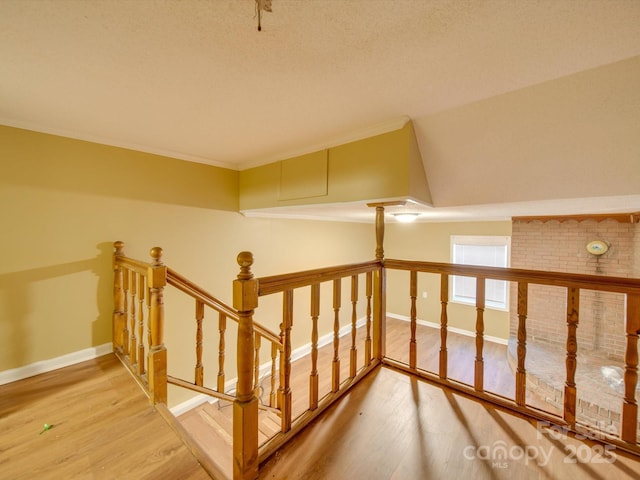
{"points": [[245, 407], [118, 298], [137, 284], [559, 279], [157, 366], [573, 284]]}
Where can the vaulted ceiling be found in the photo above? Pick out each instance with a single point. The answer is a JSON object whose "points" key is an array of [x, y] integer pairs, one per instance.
{"points": [[489, 86]]}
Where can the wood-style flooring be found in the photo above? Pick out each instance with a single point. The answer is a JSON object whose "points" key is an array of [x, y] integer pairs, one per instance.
{"points": [[392, 426], [389, 426], [103, 428]]}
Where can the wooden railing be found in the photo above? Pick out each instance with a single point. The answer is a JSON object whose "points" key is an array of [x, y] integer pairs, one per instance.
{"points": [[573, 284], [364, 286], [139, 288], [139, 322]]}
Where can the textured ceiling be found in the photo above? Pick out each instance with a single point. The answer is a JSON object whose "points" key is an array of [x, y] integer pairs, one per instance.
{"points": [[194, 79]]}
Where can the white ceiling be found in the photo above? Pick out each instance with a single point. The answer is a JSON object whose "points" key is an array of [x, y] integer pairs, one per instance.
{"points": [[194, 79]]}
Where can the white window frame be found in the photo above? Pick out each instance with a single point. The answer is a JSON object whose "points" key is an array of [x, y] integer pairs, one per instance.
{"points": [[498, 288]]}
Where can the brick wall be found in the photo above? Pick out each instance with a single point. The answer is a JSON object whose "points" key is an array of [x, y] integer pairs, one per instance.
{"points": [[560, 246]]}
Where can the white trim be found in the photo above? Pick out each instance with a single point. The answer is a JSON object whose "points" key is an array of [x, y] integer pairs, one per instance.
{"points": [[466, 333], [190, 404], [45, 366]]}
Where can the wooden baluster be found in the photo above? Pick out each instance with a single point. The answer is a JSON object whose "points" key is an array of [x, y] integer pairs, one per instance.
{"points": [[133, 302], [125, 316], [630, 406], [199, 370], [313, 378], [573, 313], [413, 293], [521, 374], [157, 363], [119, 324], [282, 361], [257, 340], [274, 359], [141, 300], [245, 407], [222, 327], [367, 342], [284, 392], [353, 364], [335, 373], [479, 364], [444, 299]]}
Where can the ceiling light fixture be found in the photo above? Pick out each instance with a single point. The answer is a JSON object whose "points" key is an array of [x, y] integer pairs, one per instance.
{"points": [[406, 217], [260, 6]]}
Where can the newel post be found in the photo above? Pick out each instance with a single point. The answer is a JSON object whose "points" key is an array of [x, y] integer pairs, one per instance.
{"points": [[245, 407], [118, 297], [157, 361]]}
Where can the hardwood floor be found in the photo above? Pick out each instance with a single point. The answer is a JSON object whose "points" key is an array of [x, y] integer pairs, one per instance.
{"points": [[392, 426], [389, 426], [103, 428]]}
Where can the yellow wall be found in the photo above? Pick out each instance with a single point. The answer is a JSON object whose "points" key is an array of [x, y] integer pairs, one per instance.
{"points": [[65, 202], [431, 242]]}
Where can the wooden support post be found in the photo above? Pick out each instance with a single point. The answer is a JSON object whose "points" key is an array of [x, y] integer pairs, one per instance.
{"points": [[573, 313], [118, 298], [245, 407], [444, 300], [630, 406], [413, 293], [379, 290], [199, 369], [157, 362], [353, 360], [479, 364], [335, 371], [521, 374], [313, 378]]}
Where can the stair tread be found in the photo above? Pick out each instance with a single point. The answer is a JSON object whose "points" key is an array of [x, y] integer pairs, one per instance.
{"points": [[212, 439], [212, 428]]}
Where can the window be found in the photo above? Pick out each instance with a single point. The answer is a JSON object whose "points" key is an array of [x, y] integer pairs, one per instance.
{"points": [[488, 251]]}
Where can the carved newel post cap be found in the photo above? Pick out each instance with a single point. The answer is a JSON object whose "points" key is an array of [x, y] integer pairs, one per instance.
{"points": [[118, 246], [245, 260], [156, 254]]}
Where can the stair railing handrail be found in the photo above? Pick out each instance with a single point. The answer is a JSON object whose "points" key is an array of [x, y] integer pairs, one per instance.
{"points": [[550, 278], [198, 293]]}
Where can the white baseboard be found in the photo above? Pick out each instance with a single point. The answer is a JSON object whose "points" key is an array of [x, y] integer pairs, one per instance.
{"points": [[466, 333], [44, 366]]}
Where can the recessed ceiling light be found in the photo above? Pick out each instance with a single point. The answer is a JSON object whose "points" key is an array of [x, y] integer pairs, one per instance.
{"points": [[406, 217]]}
